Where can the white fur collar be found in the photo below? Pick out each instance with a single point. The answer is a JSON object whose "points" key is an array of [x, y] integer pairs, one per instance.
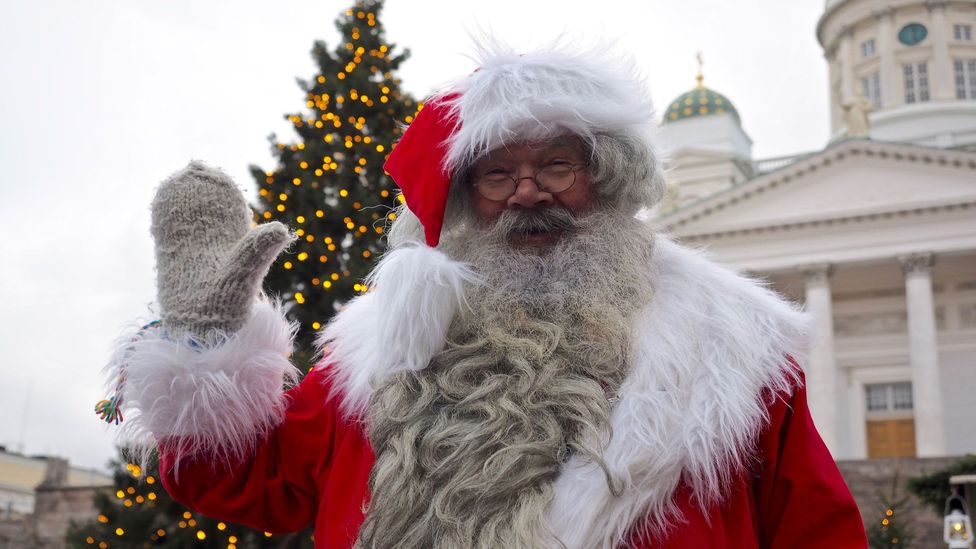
{"points": [[705, 347]]}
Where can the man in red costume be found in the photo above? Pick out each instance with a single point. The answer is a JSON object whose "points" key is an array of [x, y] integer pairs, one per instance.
{"points": [[532, 366]]}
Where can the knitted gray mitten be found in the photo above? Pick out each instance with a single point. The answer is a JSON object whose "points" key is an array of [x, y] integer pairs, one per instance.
{"points": [[209, 261]]}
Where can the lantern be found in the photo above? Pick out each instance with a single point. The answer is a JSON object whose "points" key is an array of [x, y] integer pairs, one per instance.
{"points": [[958, 531]]}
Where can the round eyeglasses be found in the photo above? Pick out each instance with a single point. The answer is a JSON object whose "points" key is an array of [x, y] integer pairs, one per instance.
{"points": [[554, 178]]}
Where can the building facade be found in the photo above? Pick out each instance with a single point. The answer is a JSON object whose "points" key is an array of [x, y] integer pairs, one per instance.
{"points": [[875, 234], [40, 496]]}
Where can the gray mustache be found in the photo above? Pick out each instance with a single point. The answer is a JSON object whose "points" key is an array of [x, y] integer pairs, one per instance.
{"points": [[554, 218]]}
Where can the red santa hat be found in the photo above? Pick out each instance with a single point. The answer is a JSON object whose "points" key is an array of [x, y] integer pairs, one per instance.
{"points": [[511, 98]]}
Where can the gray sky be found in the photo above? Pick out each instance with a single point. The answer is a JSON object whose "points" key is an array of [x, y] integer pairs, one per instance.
{"points": [[100, 100]]}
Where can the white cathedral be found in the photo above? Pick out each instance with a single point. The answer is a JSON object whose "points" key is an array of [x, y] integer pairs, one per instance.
{"points": [[876, 233]]}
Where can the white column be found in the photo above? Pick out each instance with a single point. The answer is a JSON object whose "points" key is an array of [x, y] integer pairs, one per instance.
{"points": [[941, 79], [822, 369], [926, 387], [888, 73]]}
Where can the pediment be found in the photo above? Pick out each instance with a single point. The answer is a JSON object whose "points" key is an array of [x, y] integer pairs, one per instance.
{"points": [[849, 180], [686, 157]]}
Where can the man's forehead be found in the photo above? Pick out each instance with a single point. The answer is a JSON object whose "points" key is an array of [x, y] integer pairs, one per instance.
{"points": [[562, 142]]}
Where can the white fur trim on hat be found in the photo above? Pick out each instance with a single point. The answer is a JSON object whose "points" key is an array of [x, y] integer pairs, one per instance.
{"points": [[214, 400], [541, 94]]}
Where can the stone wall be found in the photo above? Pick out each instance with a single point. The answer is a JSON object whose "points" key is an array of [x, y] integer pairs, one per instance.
{"points": [[872, 480], [54, 509]]}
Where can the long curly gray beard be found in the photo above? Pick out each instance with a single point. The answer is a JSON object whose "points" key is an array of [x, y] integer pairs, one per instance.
{"points": [[467, 449]]}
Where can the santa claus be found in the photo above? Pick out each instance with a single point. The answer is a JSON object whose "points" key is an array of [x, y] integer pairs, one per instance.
{"points": [[532, 366]]}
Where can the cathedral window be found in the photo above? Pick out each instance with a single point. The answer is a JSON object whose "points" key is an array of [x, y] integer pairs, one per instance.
{"points": [[871, 85], [963, 33], [916, 82], [867, 48], [889, 397], [965, 78]]}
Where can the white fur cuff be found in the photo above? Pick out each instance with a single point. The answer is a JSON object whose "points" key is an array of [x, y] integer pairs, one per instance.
{"points": [[215, 400]]}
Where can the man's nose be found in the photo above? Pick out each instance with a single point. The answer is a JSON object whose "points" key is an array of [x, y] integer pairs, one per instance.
{"points": [[528, 193]]}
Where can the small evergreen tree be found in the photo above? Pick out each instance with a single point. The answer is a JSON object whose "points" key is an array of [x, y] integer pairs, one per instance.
{"points": [[139, 513], [329, 186], [889, 531]]}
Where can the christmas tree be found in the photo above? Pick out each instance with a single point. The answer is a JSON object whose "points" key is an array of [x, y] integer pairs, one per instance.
{"points": [[329, 185], [889, 531], [140, 514]]}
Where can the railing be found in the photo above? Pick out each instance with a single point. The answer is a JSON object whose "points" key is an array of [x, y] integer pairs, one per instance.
{"points": [[767, 165]]}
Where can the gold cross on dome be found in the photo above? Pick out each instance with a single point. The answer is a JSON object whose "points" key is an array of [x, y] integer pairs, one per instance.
{"points": [[700, 77]]}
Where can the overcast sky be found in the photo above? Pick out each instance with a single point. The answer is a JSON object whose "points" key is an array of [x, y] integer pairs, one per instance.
{"points": [[100, 100]]}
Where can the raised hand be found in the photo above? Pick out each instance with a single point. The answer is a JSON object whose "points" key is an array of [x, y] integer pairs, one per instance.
{"points": [[209, 260]]}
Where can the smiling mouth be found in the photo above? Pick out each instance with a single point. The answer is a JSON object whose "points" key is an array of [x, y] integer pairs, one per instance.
{"points": [[535, 237]]}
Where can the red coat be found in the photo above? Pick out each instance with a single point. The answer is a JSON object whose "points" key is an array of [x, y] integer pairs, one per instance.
{"points": [[314, 468]]}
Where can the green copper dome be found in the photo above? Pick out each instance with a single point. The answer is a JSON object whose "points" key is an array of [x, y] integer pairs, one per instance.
{"points": [[700, 101]]}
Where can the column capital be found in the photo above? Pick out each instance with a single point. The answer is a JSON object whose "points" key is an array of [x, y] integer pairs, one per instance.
{"points": [[933, 5], [916, 263], [817, 273]]}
